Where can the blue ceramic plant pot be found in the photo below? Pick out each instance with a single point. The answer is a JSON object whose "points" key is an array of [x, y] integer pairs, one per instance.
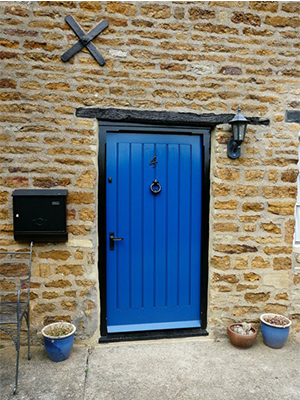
{"points": [[274, 336], [58, 348]]}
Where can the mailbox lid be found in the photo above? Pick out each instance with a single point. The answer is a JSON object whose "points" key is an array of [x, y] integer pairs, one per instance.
{"points": [[40, 192], [40, 214]]}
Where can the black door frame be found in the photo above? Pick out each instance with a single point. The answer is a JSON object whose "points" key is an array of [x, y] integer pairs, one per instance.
{"points": [[106, 127]]}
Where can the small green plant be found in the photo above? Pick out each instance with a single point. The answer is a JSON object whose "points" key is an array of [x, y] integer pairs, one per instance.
{"points": [[58, 330]]}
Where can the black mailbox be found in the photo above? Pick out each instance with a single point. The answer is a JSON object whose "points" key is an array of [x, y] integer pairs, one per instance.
{"points": [[40, 215]]}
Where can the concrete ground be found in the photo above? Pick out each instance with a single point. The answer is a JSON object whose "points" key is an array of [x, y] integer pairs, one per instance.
{"points": [[181, 369]]}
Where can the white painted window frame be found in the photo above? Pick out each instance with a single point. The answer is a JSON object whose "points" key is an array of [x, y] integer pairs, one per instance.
{"points": [[297, 225], [296, 243]]}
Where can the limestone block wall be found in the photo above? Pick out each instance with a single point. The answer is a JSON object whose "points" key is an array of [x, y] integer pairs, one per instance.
{"points": [[177, 56]]}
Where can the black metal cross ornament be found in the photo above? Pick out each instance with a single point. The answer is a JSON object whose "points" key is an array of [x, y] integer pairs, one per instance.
{"points": [[85, 40]]}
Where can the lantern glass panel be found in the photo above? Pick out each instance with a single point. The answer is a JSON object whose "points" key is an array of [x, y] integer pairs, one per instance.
{"points": [[239, 131]]}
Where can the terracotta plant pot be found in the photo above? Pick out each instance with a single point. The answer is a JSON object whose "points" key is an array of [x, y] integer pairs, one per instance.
{"points": [[238, 340]]}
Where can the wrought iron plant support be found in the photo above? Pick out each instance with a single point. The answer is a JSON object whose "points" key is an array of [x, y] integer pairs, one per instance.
{"points": [[13, 310], [85, 40]]}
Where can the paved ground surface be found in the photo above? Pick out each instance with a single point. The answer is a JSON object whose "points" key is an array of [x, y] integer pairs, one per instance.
{"points": [[185, 369]]}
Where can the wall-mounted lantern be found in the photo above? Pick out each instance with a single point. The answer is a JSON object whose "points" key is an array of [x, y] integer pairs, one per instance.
{"points": [[239, 127]]}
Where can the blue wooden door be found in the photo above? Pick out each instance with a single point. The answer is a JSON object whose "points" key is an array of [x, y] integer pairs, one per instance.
{"points": [[153, 274]]}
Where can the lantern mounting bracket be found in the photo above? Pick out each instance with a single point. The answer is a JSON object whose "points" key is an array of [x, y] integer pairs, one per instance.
{"points": [[233, 149]]}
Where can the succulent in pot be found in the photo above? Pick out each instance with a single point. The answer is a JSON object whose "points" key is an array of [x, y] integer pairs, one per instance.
{"points": [[58, 340], [275, 329], [241, 334]]}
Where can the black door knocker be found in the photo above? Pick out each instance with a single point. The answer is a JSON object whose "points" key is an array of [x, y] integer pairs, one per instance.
{"points": [[155, 187]]}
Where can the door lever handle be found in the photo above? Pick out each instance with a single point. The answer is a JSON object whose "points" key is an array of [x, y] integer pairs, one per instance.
{"points": [[112, 240]]}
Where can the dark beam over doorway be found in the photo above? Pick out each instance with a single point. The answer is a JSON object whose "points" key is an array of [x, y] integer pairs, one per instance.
{"points": [[162, 117]]}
